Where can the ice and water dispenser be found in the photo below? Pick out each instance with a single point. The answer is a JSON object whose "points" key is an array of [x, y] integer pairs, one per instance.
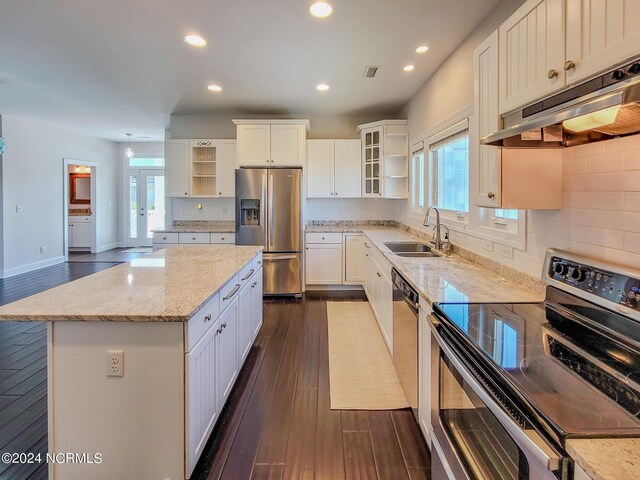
{"points": [[250, 212]]}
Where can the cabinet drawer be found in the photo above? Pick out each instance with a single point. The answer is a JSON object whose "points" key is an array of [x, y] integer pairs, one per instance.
{"points": [[313, 237], [165, 237], [229, 292], [223, 238], [379, 257], [194, 238], [198, 325], [257, 262], [245, 275]]}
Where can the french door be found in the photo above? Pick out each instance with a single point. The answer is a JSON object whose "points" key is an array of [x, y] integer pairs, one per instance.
{"points": [[146, 206]]}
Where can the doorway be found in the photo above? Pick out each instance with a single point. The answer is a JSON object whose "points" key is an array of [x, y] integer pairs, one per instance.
{"points": [[80, 206], [146, 205]]}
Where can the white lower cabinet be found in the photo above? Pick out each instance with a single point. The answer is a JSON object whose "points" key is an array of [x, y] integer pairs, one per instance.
{"points": [[385, 310], [227, 352], [256, 303], [353, 259], [201, 395], [80, 235], [213, 357], [323, 263], [424, 370]]}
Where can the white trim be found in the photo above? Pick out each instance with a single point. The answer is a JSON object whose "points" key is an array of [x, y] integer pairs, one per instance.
{"points": [[289, 121], [461, 116], [109, 246], [29, 267], [380, 123]]}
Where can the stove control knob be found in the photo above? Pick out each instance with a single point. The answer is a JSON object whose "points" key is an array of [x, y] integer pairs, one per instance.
{"points": [[578, 275], [560, 268], [618, 74], [635, 68]]}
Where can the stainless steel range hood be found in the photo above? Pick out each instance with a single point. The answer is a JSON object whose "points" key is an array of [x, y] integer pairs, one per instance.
{"points": [[604, 107]]}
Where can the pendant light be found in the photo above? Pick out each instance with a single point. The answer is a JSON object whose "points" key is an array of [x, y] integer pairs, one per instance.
{"points": [[127, 151]]}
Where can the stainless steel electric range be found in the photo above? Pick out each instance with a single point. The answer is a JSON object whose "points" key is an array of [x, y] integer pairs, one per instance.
{"points": [[512, 382]]}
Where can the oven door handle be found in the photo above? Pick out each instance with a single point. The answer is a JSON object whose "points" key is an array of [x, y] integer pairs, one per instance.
{"points": [[529, 442]]}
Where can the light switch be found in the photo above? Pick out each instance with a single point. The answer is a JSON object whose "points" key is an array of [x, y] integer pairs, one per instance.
{"points": [[19, 209]]}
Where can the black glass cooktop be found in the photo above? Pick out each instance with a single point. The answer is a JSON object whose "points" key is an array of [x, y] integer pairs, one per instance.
{"points": [[582, 382]]}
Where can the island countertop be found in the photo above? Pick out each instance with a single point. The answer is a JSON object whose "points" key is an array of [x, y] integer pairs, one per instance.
{"points": [[167, 286]]}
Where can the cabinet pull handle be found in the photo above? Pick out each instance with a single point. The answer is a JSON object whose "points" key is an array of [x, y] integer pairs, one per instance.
{"points": [[253, 285], [224, 325], [552, 73], [218, 331], [248, 275], [193, 238], [378, 273], [491, 195], [366, 245], [232, 292], [569, 65], [221, 238], [207, 318], [164, 238]]}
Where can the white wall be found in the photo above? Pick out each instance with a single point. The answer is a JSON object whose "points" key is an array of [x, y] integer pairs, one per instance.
{"points": [[33, 176], [601, 182]]}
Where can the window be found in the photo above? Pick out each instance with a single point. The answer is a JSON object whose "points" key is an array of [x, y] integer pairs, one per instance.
{"points": [[417, 179], [449, 172], [146, 162], [506, 214]]}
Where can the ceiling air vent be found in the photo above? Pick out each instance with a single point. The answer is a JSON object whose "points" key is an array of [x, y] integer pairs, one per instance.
{"points": [[370, 71]]}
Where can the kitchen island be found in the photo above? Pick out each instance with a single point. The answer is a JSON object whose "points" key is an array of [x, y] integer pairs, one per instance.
{"points": [[142, 357]]}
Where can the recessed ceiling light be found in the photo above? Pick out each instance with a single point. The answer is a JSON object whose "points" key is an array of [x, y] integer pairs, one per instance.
{"points": [[320, 9], [322, 87], [195, 40], [214, 88], [408, 68], [422, 49]]}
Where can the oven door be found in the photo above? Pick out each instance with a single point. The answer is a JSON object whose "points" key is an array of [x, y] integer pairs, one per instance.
{"points": [[478, 439]]}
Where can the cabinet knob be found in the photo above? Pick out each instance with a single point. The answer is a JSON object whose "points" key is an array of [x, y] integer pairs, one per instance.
{"points": [[336, 194], [219, 193], [553, 73], [221, 238], [569, 65], [491, 195], [193, 238], [164, 238]]}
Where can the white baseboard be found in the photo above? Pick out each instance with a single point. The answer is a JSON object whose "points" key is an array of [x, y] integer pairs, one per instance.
{"points": [[109, 246], [29, 267], [311, 288]]}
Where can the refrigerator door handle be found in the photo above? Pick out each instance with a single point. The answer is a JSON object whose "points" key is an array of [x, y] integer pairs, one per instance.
{"points": [[263, 207], [281, 257], [271, 210]]}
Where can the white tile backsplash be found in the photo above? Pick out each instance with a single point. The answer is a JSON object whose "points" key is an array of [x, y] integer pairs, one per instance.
{"points": [[600, 215]]}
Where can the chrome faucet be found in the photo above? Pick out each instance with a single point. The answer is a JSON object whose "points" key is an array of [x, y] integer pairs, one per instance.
{"points": [[427, 222]]}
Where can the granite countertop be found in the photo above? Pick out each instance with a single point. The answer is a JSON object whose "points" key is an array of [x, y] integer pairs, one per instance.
{"points": [[170, 285], [444, 279], [607, 458], [200, 227]]}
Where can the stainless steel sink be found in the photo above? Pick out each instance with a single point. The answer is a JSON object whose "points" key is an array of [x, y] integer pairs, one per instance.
{"points": [[411, 249]]}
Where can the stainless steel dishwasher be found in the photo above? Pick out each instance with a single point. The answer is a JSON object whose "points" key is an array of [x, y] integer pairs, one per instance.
{"points": [[405, 337]]}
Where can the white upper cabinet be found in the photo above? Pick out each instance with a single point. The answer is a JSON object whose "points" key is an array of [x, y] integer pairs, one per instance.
{"points": [[177, 168], [488, 168], [280, 143], [599, 34], [531, 49], [254, 145], [333, 168], [348, 168], [226, 179], [288, 145], [547, 45], [320, 168]]}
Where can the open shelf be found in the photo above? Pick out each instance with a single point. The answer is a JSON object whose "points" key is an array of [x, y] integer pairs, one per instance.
{"points": [[396, 187]]}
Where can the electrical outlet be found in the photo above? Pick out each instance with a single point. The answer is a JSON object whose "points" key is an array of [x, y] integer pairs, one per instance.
{"points": [[505, 251], [19, 209], [43, 249], [115, 363], [487, 245]]}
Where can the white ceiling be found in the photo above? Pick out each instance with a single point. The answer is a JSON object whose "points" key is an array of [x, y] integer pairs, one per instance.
{"points": [[104, 68]]}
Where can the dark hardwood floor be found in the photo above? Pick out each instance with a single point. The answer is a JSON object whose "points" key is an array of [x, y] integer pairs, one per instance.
{"points": [[23, 369], [278, 423]]}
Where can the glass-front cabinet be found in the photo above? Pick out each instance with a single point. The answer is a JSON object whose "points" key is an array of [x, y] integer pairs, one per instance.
{"points": [[203, 168], [372, 143], [385, 159]]}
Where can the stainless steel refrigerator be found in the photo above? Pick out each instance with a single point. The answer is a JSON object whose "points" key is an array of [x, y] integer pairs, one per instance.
{"points": [[269, 213]]}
